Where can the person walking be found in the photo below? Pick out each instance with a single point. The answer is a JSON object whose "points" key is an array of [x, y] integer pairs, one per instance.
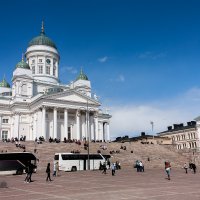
{"points": [[48, 171], [104, 168], [27, 179], [194, 168], [186, 168], [113, 169], [168, 169]]}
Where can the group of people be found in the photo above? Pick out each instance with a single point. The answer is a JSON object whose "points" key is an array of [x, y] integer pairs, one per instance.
{"points": [[139, 166], [104, 168], [29, 170], [55, 170], [191, 166]]}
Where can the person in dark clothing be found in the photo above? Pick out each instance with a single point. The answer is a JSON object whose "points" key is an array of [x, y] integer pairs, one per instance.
{"points": [[48, 171], [194, 168], [31, 167], [27, 179], [104, 168], [108, 163]]}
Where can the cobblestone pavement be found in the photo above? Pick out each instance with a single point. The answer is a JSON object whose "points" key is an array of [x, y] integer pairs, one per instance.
{"points": [[93, 185]]}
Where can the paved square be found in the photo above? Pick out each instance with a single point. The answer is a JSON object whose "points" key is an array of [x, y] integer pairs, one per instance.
{"points": [[93, 185]]}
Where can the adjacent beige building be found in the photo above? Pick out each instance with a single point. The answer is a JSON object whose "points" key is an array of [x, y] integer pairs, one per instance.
{"points": [[183, 136]]}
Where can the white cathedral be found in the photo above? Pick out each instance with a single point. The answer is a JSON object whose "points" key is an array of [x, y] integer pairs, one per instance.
{"points": [[37, 104]]}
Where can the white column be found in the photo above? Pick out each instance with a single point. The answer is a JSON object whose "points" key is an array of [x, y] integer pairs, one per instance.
{"points": [[34, 125], [108, 131], [16, 126], [71, 131], [101, 131], [44, 122], [83, 126], [96, 128], [92, 127], [65, 124], [12, 126], [88, 126], [55, 123], [77, 125]]}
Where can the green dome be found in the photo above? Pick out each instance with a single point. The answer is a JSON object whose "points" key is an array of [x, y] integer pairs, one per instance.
{"points": [[82, 76], [42, 39], [4, 83], [22, 64]]}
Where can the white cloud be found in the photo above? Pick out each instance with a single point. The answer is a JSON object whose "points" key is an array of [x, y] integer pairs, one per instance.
{"points": [[69, 69], [103, 59], [151, 55], [133, 119], [121, 78]]}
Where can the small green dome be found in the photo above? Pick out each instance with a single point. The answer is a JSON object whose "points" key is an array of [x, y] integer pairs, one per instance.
{"points": [[4, 83], [82, 76], [22, 64], [42, 39]]}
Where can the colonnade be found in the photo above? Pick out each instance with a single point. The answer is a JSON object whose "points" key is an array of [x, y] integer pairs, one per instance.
{"points": [[86, 125]]}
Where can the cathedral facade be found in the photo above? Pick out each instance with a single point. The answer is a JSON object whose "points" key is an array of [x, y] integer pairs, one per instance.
{"points": [[37, 104]]}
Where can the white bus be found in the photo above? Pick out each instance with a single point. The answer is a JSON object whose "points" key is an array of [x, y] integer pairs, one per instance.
{"points": [[74, 162]]}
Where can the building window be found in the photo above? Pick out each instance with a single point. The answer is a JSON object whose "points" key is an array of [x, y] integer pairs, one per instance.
{"points": [[47, 69], [33, 62], [4, 135], [24, 90], [40, 69], [54, 62], [33, 69], [54, 70], [5, 121], [40, 60]]}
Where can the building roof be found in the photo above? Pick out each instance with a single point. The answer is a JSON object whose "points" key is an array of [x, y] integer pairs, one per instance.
{"points": [[82, 76], [42, 39], [22, 64], [4, 83], [178, 127]]}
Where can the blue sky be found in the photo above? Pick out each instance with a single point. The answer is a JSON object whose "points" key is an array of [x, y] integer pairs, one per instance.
{"points": [[142, 56]]}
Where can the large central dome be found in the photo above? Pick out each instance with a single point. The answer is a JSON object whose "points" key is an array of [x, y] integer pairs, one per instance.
{"points": [[42, 39]]}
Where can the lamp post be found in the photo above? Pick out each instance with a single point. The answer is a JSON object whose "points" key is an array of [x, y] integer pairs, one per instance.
{"points": [[152, 126], [88, 139], [18, 127], [88, 132]]}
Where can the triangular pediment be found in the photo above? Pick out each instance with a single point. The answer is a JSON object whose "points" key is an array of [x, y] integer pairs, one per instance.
{"points": [[72, 96]]}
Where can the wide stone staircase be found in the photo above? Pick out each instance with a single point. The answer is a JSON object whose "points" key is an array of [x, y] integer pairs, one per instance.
{"points": [[152, 155]]}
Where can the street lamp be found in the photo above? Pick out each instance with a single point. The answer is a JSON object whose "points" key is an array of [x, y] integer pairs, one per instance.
{"points": [[88, 132], [152, 126], [88, 146]]}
